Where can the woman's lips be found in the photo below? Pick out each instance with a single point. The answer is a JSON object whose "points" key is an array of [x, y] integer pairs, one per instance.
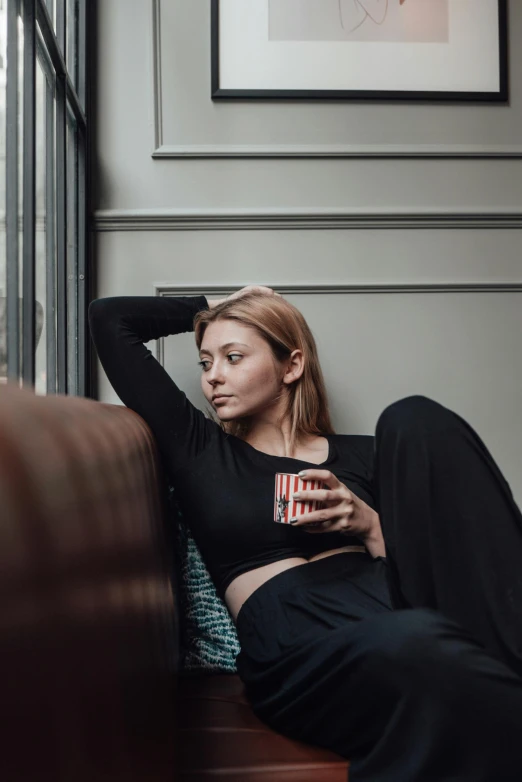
{"points": [[220, 399]]}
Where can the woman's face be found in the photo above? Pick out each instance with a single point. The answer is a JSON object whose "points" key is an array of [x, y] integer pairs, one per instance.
{"points": [[238, 363]]}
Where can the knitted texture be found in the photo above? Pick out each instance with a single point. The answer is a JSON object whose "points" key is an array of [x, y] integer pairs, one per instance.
{"points": [[208, 634]]}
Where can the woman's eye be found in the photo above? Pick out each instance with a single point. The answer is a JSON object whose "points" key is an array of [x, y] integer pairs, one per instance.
{"points": [[230, 355]]}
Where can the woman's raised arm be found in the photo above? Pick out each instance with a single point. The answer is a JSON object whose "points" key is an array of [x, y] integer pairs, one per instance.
{"points": [[120, 325]]}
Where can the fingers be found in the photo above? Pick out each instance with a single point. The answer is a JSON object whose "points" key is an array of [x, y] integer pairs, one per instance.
{"points": [[318, 495], [256, 289], [323, 515], [324, 495], [326, 514], [265, 289], [308, 523], [326, 476]]}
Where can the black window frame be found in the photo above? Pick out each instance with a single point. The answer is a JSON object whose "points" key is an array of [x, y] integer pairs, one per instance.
{"points": [[45, 32]]}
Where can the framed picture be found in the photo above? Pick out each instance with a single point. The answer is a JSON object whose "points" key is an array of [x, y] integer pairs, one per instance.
{"points": [[423, 50]]}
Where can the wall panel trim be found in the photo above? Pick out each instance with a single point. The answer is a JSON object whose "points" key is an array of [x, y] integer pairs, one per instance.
{"points": [[360, 151], [163, 150], [199, 289], [250, 219]]}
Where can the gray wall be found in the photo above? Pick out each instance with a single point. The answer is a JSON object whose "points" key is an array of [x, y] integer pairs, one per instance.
{"points": [[408, 269]]}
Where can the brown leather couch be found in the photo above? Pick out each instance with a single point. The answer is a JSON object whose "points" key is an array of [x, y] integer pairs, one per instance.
{"points": [[89, 617]]}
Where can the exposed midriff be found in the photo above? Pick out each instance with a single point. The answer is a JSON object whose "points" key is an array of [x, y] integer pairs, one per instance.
{"points": [[246, 584]]}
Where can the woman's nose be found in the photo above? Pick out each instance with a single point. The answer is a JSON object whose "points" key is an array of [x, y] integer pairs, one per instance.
{"points": [[215, 372]]}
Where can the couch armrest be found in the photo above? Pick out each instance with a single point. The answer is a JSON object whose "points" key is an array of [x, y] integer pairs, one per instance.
{"points": [[89, 633]]}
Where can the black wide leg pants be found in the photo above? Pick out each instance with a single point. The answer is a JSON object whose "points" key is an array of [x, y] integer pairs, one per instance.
{"points": [[410, 666]]}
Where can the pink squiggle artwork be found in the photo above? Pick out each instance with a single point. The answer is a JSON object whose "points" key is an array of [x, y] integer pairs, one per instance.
{"points": [[353, 13], [397, 21]]}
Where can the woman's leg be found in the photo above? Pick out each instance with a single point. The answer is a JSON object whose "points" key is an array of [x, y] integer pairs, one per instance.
{"points": [[452, 529], [405, 695]]}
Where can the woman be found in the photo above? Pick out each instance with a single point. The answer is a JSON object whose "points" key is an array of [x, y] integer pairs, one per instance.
{"points": [[392, 633]]}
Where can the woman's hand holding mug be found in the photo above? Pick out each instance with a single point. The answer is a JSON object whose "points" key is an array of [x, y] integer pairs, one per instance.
{"points": [[344, 512]]}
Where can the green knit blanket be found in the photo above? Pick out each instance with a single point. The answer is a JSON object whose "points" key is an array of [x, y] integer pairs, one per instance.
{"points": [[208, 634]]}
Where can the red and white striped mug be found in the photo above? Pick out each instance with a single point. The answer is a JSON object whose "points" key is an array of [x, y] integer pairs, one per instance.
{"points": [[286, 508]]}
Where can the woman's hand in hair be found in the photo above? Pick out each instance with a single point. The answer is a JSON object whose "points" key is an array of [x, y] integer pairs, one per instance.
{"points": [[344, 511], [253, 289], [237, 294]]}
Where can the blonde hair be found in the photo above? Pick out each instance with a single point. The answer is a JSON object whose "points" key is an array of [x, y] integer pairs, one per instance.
{"points": [[284, 328]]}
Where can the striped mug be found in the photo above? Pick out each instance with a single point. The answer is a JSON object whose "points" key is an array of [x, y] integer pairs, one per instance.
{"points": [[285, 508]]}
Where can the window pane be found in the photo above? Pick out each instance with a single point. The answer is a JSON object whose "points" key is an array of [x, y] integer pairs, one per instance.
{"points": [[72, 41], [15, 75], [81, 51], [50, 233], [3, 73], [11, 339], [43, 213], [20, 138], [65, 18], [50, 9], [55, 9], [72, 254]]}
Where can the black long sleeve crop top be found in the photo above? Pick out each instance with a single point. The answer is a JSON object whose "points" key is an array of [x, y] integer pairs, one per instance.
{"points": [[223, 485]]}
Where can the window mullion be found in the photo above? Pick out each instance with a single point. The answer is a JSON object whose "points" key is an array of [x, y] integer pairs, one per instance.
{"points": [[57, 53], [82, 267], [11, 179], [29, 194], [50, 241], [72, 258], [61, 236]]}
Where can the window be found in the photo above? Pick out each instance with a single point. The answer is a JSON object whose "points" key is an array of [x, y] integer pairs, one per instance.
{"points": [[43, 195]]}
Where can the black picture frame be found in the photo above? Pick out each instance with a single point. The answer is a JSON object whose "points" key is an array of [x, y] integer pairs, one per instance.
{"points": [[500, 96]]}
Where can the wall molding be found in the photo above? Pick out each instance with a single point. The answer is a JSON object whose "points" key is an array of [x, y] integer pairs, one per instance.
{"points": [[359, 151], [285, 219], [198, 289], [220, 290], [163, 150], [156, 75]]}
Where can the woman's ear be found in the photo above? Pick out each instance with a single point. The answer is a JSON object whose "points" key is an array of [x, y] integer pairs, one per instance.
{"points": [[294, 367]]}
